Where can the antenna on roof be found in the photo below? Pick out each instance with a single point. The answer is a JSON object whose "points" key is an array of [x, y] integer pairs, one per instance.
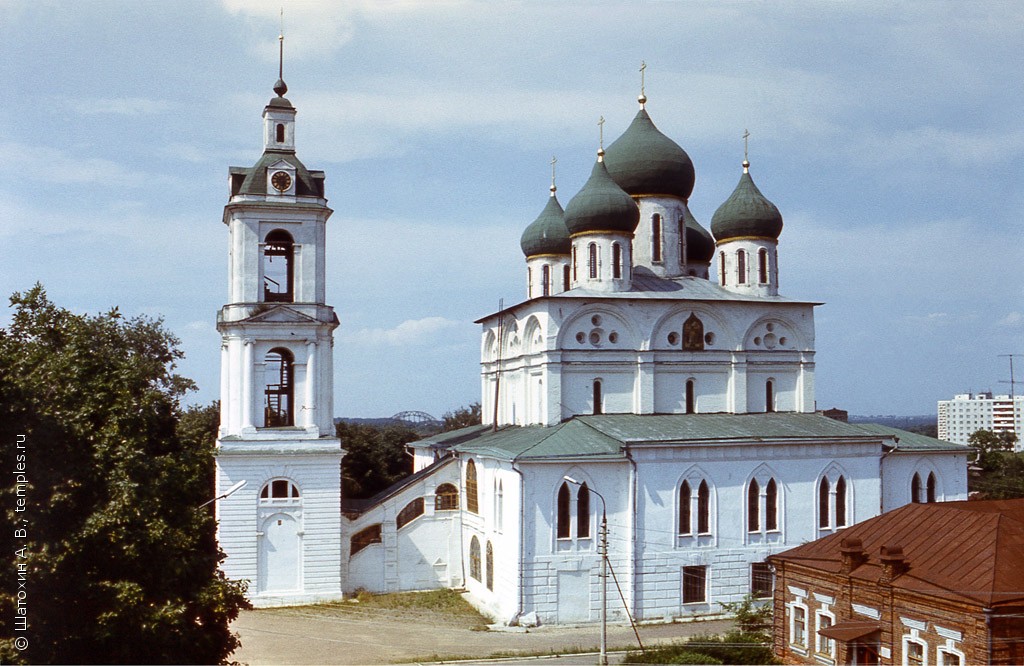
{"points": [[1012, 383]]}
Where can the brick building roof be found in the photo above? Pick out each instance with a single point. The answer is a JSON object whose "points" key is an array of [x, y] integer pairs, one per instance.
{"points": [[970, 551]]}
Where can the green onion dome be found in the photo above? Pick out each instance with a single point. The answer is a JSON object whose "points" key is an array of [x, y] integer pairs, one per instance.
{"points": [[700, 246], [746, 213], [601, 205], [645, 161], [547, 234]]}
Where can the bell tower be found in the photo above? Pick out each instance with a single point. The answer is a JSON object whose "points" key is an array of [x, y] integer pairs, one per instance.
{"points": [[282, 530]]}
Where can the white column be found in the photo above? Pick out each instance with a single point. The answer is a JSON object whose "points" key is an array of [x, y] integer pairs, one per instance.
{"points": [[311, 383], [247, 383], [225, 387]]}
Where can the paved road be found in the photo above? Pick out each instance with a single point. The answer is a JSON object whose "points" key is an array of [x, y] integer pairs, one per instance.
{"points": [[347, 635]]}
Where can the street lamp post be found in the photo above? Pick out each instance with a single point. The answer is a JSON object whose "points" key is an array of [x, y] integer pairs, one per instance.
{"points": [[230, 491], [603, 550]]}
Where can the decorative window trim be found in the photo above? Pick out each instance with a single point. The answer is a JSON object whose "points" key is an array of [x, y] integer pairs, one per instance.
{"points": [[280, 491], [822, 641], [803, 647], [866, 611], [915, 638]]}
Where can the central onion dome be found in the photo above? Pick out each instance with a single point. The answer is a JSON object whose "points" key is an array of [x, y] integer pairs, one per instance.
{"points": [[700, 246], [601, 206], [746, 213], [645, 161], [548, 233]]}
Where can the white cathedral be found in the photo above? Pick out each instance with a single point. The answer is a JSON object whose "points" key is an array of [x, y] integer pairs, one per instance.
{"points": [[628, 384]]}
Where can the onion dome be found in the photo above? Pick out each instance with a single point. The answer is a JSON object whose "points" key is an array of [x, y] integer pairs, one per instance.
{"points": [[700, 246], [645, 161], [601, 206], [548, 233], [746, 213]]}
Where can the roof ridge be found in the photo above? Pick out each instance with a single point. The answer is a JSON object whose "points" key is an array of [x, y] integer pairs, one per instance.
{"points": [[540, 441]]}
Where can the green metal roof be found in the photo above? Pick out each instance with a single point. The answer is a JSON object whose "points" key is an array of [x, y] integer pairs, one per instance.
{"points": [[700, 246], [746, 213], [548, 233], [606, 436], [307, 183], [601, 206], [645, 161], [912, 441]]}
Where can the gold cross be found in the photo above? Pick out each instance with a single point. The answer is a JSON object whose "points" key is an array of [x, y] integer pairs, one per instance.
{"points": [[600, 128], [643, 66], [746, 135], [553, 160]]}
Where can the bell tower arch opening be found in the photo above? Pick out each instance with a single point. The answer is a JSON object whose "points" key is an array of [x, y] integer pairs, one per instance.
{"points": [[278, 267]]}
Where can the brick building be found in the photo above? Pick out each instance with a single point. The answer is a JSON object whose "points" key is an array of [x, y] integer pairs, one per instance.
{"points": [[939, 583]]}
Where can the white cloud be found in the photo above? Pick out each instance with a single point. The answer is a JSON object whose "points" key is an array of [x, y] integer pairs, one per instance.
{"points": [[1012, 320], [123, 106], [428, 331], [51, 165]]}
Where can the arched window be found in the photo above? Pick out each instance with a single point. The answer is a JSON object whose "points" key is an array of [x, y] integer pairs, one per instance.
{"points": [[446, 497], [592, 260], [741, 267], [915, 489], [565, 278], [490, 566], [682, 242], [363, 538], [823, 503], [753, 507], [684, 508], [771, 509], [583, 512], [474, 558], [841, 502], [529, 282], [279, 491], [563, 529], [574, 262], [499, 507], [545, 275], [278, 390], [703, 508], [411, 512], [656, 238], [769, 396], [616, 260], [721, 268], [280, 133], [472, 503], [597, 397], [691, 399], [930, 488], [762, 266], [278, 272]]}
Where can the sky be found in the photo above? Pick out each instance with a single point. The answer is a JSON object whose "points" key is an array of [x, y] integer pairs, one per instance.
{"points": [[888, 134]]}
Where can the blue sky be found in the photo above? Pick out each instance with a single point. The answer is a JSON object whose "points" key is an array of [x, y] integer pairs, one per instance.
{"points": [[888, 134]]}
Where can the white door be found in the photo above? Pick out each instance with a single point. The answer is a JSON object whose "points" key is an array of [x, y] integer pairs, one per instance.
{"points": [[279, 554], [573, 596]]}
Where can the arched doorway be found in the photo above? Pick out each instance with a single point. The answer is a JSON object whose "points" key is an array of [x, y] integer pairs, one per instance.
{"points": [[279, 554]]}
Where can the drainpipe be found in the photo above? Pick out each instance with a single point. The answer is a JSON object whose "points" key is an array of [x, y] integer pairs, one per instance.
{"points": [[522, 540], [633, 512], [881, 477]]}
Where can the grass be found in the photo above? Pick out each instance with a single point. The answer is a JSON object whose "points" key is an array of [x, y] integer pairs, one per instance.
{"points": [[443, 607]]}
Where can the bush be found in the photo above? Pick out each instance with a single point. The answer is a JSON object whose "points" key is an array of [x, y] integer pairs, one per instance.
{"points": [[732, 648]]}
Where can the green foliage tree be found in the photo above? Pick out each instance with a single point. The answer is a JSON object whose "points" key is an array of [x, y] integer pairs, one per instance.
{"points": [[462, 417], [998, 471], [121, 563], [375, 457], [753, 617]]}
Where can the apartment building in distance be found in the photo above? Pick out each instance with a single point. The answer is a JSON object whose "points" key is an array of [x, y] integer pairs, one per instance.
{"points": [[966, 413]]}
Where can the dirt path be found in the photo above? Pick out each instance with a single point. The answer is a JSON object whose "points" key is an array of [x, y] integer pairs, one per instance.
{"points": [[350, 635]]}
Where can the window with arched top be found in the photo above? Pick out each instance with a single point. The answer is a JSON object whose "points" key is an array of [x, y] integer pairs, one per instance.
{"points": [[409, 513], [741, 267], [616, 260], [841, 502], [915, 488], [545, 276], [279, 491], [753, 506], [684, 508], [278, 271], [703, 508], [693, 333], [721, 268], [563, 527], [656, 237], [691, 398], [762, 266], [930, 487], [363, 538], [574, 262], [280, 133], [499, 507], [598, 407], [474, 558], [766, 506], [489, 561], [769, 396], [583, 512], [565, 278], [472, 499], [278, 389], [446, 497], [592, 260], [771, 506], [823, 503]]}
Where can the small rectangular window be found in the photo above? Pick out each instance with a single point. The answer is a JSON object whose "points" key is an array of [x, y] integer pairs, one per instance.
{"points": [[798, 634], [695, 584], [761, 586]]}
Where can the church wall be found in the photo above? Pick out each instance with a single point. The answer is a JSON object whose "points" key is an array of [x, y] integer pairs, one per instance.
{"points": [[729, 549], [711, 387], [898, 468]]}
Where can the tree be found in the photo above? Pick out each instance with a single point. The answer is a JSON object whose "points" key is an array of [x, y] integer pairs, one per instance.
{"points": [[1000, 471], [462, 417], [988, 441], [375, 457], [120, 561]]}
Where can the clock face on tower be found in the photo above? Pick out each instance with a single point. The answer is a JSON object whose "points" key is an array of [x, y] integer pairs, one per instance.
{"points": [[281, 181]]}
